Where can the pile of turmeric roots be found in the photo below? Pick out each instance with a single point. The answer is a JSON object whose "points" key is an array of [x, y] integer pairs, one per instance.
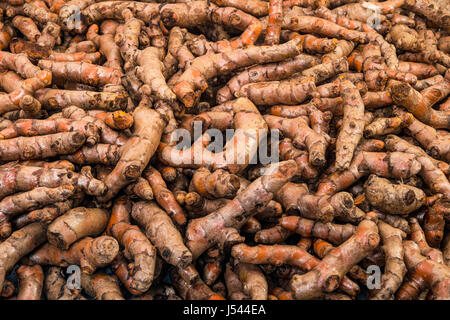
{"points": [[101, 197]]}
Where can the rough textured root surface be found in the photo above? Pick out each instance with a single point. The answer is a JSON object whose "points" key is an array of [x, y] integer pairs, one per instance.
{"points": [[431, 10], [418, 236], [434, 222], [435, 275], [18, 245], [290, 91], [302, 136], [327, 275], [272, 235], [27, 176], [150, 72], [57, 99], [164, 196], [234, 285], [297, 198], [357, 273], [275, 21], [136, 153], [253, 281], [193, 81], [137, 248], [33, 127], [193, 289], [22, 202], [284, 254], [89, 253], [161, 231], [393, 198], [101, 286], [420, 103], [335, 233], [395, 268], [398, 165], [267, 72], [221, 226], [352, 127], [40, 147], [75, 224], [56, 286], [260, 149], [82, 72], [219, 184], [31, 282], [250, 129]]}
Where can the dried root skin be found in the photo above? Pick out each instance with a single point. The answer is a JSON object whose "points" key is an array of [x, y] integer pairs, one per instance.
{"points": [[137, 151], [267, 72], [221, 226], [31, 282], [30, 200], [434, 222], [218, 184], [18, 245], [164, 196], [117, 120], [256, 8], [302, 136], [27, 176], [195, 289], [137, 248], [234, 285], [384, 126], [40, 147], [357, 273], [27, 27], [141, 189], [150, 72], [161, 231], [250, 130], [45, 215], [290, 91], [58, 99], [352, 127], [395, 268], [391, 165], [435, 275], [101, 153], [106, 46], [35, 127], [75, 224], [420, 104], [393, 198], [289, 152], [405, 38], [335, 233], [276, 234], [56, 287], [274, 23], [431, 10], [327, 275], [81, 72], [315, 25], [418, 236], [297, 198], [101, 286], [88, 253], [253, 280], [193, 81]]}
